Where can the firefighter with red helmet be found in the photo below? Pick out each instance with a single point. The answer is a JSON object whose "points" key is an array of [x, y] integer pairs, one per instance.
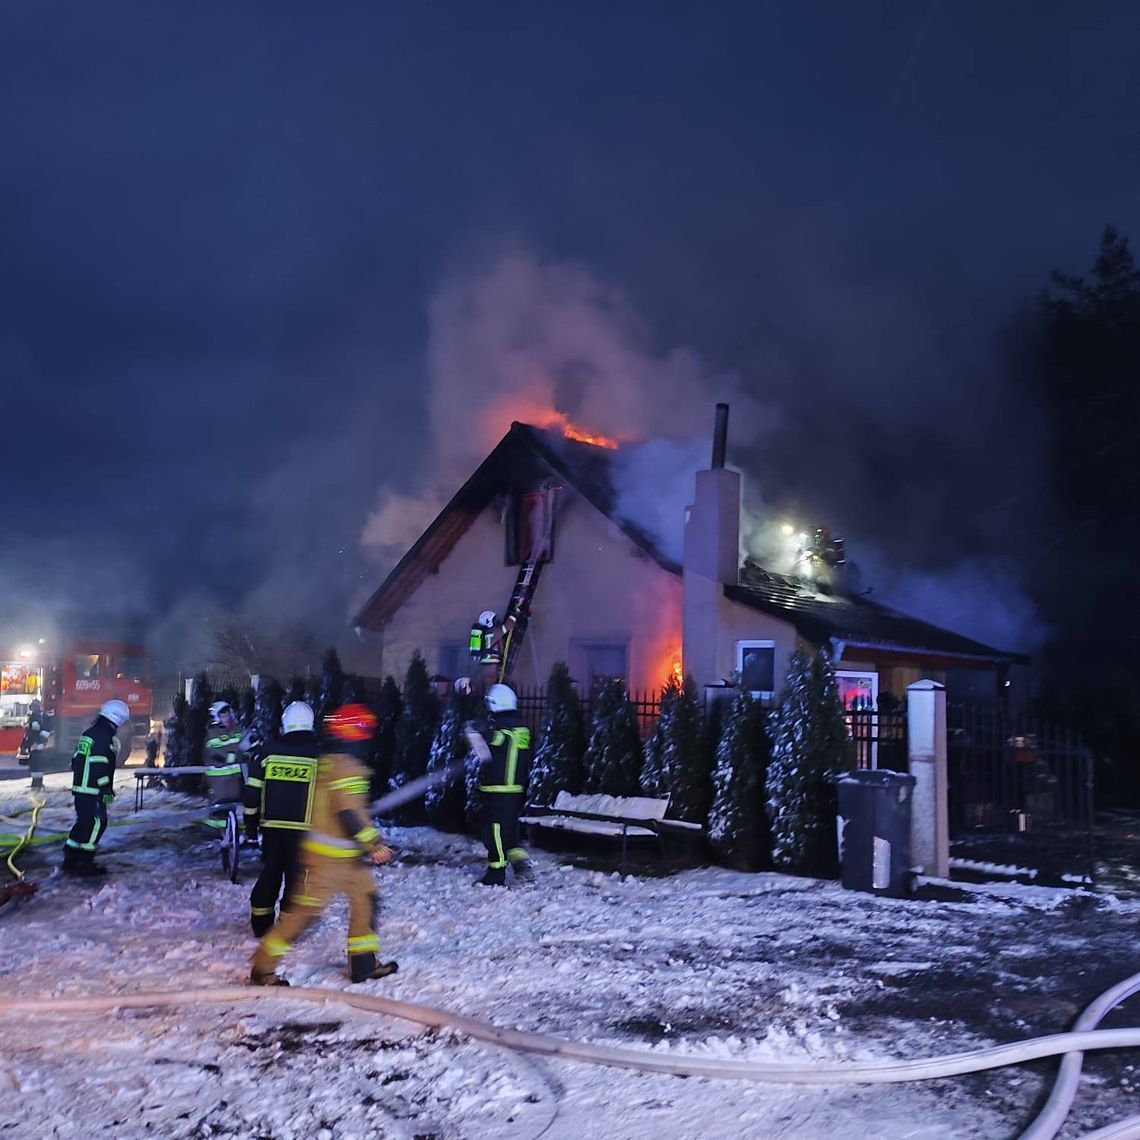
{"points": [[333, 854]]}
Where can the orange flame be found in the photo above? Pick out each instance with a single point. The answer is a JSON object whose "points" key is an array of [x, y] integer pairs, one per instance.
{"points": [[678, 674], [571, 432]]}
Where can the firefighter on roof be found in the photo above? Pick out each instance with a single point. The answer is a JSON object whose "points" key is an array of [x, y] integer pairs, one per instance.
{"points": [[333, 855], [279, 797], [503, 747], [92, 786]]}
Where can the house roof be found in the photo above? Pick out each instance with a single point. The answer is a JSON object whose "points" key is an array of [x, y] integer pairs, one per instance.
{"points": [[528, 456], [854, 620], [523, 459]]}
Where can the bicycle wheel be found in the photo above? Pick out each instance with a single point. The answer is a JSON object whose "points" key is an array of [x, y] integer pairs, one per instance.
{"points": [[230, 848]]}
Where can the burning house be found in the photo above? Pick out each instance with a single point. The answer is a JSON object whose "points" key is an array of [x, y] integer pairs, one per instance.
{"points": [[542, 509]]}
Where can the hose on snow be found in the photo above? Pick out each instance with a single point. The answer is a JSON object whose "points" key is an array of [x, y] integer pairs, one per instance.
{"points": [[877, 1072], [1052, 1116]]}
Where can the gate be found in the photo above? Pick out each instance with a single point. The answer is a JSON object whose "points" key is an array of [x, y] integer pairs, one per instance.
{"points": [[1020, 792], [878, 738]]}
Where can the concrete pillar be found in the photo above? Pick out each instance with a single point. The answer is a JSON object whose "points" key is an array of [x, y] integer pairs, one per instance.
{"points": [[926, 742]]}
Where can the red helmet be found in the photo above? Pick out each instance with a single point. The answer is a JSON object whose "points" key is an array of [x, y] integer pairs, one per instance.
{"points": [[351, 723]]}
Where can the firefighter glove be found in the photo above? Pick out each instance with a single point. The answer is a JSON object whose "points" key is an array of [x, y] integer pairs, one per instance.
{"points": [[381, 855]]}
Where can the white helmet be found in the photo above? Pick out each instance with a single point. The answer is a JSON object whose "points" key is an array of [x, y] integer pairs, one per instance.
{"points": [[297, 717], [116, 712], [487, 619], [500, 698], [217, 708]]}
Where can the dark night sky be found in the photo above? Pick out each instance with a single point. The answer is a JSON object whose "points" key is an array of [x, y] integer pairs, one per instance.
{"points": [[225, 222]]}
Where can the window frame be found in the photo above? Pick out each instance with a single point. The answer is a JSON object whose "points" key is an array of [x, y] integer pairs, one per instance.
{"points": [[756, 643]]}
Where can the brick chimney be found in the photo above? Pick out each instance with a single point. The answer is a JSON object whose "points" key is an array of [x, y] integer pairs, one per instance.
{"points": [[711, 561]]}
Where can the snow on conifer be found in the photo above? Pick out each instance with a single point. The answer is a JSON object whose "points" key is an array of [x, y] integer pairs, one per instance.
{"points": [[809, 747], [445, 802], [614, 756], [419, 717], [738, 822], [557, 764], [382, 752]]}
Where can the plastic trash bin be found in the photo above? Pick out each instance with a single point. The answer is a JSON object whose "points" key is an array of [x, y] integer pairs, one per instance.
{"points": [[874, 831]]}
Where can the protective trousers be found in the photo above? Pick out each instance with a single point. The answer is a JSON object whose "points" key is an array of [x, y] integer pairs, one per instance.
{"points": [[501, 833], [321, 878], [85, 833], [280, 853]]}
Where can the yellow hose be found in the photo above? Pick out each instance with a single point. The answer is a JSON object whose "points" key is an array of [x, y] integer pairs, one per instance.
{"points": [[37, 806]]}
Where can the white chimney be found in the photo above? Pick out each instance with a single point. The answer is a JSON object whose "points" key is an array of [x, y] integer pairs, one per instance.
{"points": [[711, 560]]}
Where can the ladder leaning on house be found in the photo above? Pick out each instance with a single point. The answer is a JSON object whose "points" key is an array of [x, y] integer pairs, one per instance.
{"points": [[519, 607]]}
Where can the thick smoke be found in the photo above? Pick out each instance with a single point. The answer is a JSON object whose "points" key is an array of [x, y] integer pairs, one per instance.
{"points": [[850, 438]]}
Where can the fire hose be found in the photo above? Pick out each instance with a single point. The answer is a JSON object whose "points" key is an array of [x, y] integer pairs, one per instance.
{"points": [[21, 888], [884, 1072]]}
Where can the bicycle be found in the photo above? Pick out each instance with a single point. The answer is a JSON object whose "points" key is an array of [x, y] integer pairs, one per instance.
{"points": [[229, 840]]}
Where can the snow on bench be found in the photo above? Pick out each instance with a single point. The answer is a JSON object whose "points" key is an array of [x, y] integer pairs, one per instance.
{"points": [[616, 817]]}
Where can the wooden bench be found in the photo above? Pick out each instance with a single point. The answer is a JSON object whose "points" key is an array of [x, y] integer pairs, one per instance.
{"points": [[143, 775], [615, 817]]}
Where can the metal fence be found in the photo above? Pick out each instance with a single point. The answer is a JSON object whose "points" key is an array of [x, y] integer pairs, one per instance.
{"points": [[647, 705], [878, 738], [1020, 789]]}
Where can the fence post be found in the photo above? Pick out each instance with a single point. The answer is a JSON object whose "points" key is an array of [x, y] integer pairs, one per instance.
{"points": [[926, 736]]}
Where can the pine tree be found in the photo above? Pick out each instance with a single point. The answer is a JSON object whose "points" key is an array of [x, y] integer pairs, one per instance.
{"points": [[738, 823], [614, 756], [557, 764], [382, 753], [198, 718], [809, 748], [446, 802], [419, 717]]}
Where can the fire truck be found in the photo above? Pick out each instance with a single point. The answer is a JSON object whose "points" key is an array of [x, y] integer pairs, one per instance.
{"points": [[72, 679]]}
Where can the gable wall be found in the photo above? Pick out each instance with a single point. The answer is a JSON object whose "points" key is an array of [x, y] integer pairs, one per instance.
{"points": [[598, 585]]}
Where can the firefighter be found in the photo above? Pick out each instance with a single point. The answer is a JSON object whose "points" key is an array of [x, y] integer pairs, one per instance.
{"points": [[279, 797], [333, 854], [487, 646], [502, 745], [225, 763], [37, 732], [92, 786]]}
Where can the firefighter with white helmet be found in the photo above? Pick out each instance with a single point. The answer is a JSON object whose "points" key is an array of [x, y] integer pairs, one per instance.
{"points": [[279, 798], [502, 745], [226, 762], [92, 787]]}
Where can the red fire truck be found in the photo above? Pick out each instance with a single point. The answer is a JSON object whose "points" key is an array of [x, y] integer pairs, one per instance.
{"points": [[72, 680]]}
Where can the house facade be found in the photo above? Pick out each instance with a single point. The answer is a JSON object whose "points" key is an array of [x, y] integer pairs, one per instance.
{"points": [[610, 603]]}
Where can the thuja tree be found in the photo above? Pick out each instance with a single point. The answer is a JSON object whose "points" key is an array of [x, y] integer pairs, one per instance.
{"points": [[809, 748], [687, 755], [738, 823], [614, 755], [419, 718], [381, 754], [177, 751], [557, 764], [446, 801], [268, 709], [330, 695], [654, 773]]}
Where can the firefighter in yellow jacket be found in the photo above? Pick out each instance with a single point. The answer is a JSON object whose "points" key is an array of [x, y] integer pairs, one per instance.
{"points": [[337, 856]]}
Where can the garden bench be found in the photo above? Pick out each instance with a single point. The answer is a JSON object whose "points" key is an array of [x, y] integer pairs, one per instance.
{"points": [[615, 817], [146, 777]]}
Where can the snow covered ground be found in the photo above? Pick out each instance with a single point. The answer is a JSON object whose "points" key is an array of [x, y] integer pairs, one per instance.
{"points": [[703, 962]]}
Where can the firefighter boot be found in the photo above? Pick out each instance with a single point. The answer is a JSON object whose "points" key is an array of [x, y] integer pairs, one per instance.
{"points": [[493, 877], [70, 865], [269, 979], [364, 967]]}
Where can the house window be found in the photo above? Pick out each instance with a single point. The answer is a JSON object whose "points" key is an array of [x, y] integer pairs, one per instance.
{"points": [[857, 691], [595, 661], [756, 666], [454, 660]]}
